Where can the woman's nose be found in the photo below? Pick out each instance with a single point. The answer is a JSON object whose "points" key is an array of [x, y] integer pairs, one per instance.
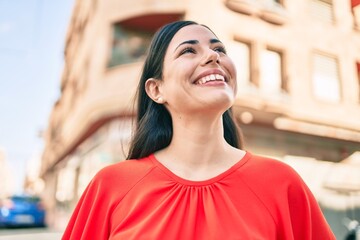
{"points": [[211, 56]]}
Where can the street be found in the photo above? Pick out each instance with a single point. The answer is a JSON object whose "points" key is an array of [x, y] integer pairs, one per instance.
{"points": [[29, 234]]}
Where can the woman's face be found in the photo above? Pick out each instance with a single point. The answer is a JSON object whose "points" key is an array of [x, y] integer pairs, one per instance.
{"points": [[198, 75]]}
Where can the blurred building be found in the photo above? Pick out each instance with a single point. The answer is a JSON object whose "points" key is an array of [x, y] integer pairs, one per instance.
{"points": [[6, 180], [33, 183], [298, 86]]}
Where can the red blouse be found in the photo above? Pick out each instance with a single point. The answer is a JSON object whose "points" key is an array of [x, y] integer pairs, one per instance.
{"points": [[257, 198]]}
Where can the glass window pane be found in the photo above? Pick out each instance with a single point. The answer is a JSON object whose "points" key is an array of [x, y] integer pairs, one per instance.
{"points": [[358, 76], [356, 13], [271, 72], [322, 9], [326, 82], [129, 45], [240, 54], [65, 185]]}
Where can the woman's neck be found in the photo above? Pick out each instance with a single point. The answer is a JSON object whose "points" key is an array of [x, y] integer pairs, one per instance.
{"points": [[198, 136], [198, 149]]}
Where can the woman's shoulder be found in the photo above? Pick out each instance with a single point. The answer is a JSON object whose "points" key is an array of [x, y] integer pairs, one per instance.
{"points": [[272, 179], [125, 171], [270, 169]]}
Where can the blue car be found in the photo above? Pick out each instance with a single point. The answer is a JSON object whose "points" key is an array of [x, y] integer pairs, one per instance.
{"points": [[22, 211]]}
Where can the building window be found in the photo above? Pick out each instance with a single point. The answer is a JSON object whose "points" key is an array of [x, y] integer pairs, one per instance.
{"points": [[271, 72], [65, 185], [325, 79], [132, 37], [322, 10], [240, 53], [280, 2], [358, 77], [129, 45], [355, 9]]}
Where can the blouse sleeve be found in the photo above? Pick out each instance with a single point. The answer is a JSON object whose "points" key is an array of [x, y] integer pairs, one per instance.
{"points": [[305, 218], [90, 219], [288, 199]]}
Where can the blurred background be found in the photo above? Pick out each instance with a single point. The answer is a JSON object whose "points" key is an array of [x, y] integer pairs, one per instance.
{"points": [[68, 72]]}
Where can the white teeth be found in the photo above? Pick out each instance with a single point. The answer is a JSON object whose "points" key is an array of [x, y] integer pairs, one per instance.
{"points": [[211, 77], [218, 76]]}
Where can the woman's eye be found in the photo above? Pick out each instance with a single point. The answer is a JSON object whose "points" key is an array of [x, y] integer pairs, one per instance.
{"points": [[187, 50], [220, 49]]}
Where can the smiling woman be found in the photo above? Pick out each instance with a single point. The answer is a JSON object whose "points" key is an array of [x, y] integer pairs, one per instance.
{"points": [[187, 176], [183, 87]]}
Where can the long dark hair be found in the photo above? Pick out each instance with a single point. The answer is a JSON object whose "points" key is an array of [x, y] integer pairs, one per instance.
{"points": [[153, 130]]}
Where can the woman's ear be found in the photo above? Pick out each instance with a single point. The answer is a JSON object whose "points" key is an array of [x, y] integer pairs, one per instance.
{"points": [[153, 90]]}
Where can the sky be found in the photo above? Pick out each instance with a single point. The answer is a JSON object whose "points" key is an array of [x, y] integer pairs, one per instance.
{"points": [[32, 39]]}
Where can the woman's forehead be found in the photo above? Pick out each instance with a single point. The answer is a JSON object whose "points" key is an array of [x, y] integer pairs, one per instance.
{"points": [[189, 33]]}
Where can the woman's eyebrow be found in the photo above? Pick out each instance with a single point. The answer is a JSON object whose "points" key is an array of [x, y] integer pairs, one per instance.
{"points": [[215, 40], [187, 42], [193, 42]]}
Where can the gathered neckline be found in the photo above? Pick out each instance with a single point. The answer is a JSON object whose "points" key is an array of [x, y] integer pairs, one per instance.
{"points": [[208, 181]]}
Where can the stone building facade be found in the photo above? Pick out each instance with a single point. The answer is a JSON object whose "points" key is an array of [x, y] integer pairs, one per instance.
{"points": [[298, 85]]}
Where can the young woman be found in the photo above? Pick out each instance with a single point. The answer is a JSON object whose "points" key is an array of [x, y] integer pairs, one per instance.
{"points": [[188, 177]]}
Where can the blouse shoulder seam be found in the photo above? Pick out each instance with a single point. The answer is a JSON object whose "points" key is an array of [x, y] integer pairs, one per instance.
{"points": [[258, 197], [262, 202], [133, 185]]}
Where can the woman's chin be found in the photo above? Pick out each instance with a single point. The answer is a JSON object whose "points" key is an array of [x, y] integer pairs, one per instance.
{"points": [[218, 105]]}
